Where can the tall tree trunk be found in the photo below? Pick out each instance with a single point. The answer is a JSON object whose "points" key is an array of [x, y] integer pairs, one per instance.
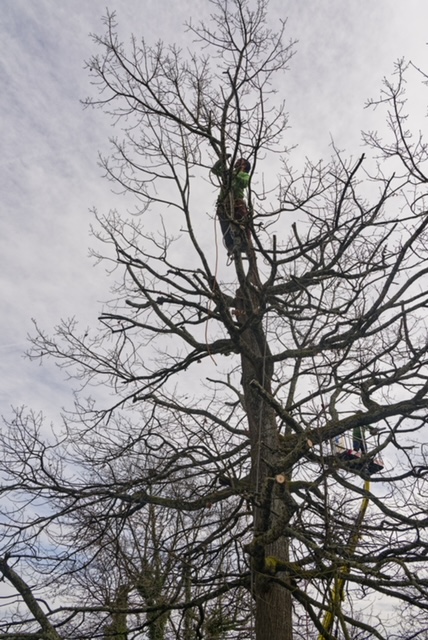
{"points": [[118, 627], [273, 602], [271, 510]]}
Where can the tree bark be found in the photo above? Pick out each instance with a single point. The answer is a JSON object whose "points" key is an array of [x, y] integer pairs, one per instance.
{"points": [[271, 511], [273, 605]]}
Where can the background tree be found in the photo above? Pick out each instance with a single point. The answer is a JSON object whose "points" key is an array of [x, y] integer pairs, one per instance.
{"points": [[200, 468]]}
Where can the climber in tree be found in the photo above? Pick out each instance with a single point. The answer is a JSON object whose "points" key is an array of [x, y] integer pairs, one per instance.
{"points": [[358, 438], [232, 210]]}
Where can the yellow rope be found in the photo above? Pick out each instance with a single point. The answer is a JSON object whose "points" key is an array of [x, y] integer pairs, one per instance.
{"points": [[337, 592]]}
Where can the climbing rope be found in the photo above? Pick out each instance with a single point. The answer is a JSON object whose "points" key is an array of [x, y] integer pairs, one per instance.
{"points": [[215, 280], [258, 459]]}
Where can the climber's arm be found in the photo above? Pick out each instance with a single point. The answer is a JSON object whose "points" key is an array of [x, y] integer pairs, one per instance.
{"points": [[218, 168]]}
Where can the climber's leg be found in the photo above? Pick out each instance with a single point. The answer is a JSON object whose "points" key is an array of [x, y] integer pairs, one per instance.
{"points": [[242, 219], [226, 229]]}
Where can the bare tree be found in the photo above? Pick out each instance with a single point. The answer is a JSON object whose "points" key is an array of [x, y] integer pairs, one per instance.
{"points": [[231, 397], [413, 623]]}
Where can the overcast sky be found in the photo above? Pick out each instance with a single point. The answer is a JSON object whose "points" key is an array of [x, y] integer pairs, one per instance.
{"points": [[49, 174]]}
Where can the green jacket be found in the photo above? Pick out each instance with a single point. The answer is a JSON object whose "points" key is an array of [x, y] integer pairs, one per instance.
{"points": [[358, 432], [240, 182]]}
